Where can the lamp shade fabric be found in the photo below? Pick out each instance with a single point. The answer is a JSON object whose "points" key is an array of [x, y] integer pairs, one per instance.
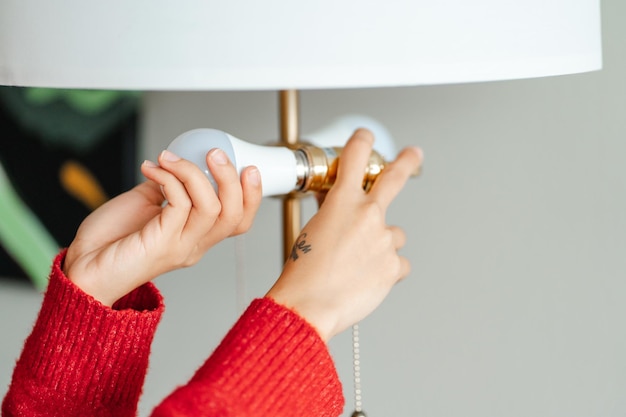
{"points": [[281, 44]]}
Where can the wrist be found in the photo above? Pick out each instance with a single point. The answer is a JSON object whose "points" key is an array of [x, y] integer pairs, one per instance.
{"points": [[84, 281], [318, 318]]}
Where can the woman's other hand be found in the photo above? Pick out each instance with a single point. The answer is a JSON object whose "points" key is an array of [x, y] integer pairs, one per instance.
{"points": [[346, 259]]}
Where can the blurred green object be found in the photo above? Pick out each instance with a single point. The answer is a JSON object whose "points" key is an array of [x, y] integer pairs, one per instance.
{"points": [[76, 119], [23, 236], [88, 102]]}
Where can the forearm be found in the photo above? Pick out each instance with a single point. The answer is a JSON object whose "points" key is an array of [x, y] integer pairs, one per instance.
{"points": [[83, 358]]}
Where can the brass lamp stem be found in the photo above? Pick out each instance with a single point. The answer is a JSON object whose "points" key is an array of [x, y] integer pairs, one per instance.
{"points": [[289, 136]]}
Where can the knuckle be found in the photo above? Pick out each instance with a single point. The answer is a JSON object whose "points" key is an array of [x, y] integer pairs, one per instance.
{"points": [[387, 239], [233, 219], [243, 227], [185, 204], [397, 269], [372, 210], [406, 268], [213, 210]]}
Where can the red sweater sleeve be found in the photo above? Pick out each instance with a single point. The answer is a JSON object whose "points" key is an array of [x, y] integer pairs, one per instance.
{"points": [[271, 363], [83, 358]]}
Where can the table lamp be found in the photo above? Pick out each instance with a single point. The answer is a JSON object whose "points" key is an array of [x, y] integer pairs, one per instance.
{"points": [[287, 46]]}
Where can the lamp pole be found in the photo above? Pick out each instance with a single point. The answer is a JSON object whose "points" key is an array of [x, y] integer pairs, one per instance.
{"points": [[289, 136]]}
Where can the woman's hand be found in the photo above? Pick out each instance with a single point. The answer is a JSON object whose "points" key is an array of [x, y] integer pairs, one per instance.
{"points": [[346, 259], [134, 237]]}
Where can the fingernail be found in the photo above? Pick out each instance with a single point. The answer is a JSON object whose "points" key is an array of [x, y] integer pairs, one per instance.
{"points": [[169, 156], [364, 134], [254, 176], [420, 155], [219, 157], [419, 152], [149, 164]]}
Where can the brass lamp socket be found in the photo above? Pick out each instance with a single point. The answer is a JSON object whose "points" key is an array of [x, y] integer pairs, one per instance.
{"points": [[317, 168]]}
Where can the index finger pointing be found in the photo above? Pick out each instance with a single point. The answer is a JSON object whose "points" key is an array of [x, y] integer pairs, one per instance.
{"points": [[394, 176]]}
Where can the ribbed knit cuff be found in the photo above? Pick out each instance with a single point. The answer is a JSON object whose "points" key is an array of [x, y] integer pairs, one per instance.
{"points": [[271, 363], [83, 357]]}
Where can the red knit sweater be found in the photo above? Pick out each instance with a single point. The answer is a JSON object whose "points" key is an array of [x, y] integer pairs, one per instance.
{"points": [[85, 359]]}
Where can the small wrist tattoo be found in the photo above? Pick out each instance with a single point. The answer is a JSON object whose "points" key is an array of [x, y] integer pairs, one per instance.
{"points": [[300, 245]]}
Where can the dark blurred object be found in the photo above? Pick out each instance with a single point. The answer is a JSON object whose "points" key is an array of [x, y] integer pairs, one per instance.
{"points": [[89, 137]]}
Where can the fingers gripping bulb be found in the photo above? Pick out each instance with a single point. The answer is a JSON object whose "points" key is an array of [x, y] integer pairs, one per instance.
{"points": [[309, 168]]}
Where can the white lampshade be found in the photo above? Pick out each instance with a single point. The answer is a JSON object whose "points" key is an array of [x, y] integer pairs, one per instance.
{"points": [[285, 44]]}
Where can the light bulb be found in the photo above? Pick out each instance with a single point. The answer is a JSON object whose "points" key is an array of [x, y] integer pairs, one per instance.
{"points": [[337, 132], [309, 167]]}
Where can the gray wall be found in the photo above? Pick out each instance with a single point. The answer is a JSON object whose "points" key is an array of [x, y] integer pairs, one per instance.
{"points": [[517, 237]]}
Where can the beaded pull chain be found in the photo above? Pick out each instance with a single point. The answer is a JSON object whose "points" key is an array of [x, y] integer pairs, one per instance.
{"points": [[356, 356], [240, 273]]}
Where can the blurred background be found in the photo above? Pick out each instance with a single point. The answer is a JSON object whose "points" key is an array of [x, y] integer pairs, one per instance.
{"points": [[516, 234]]}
